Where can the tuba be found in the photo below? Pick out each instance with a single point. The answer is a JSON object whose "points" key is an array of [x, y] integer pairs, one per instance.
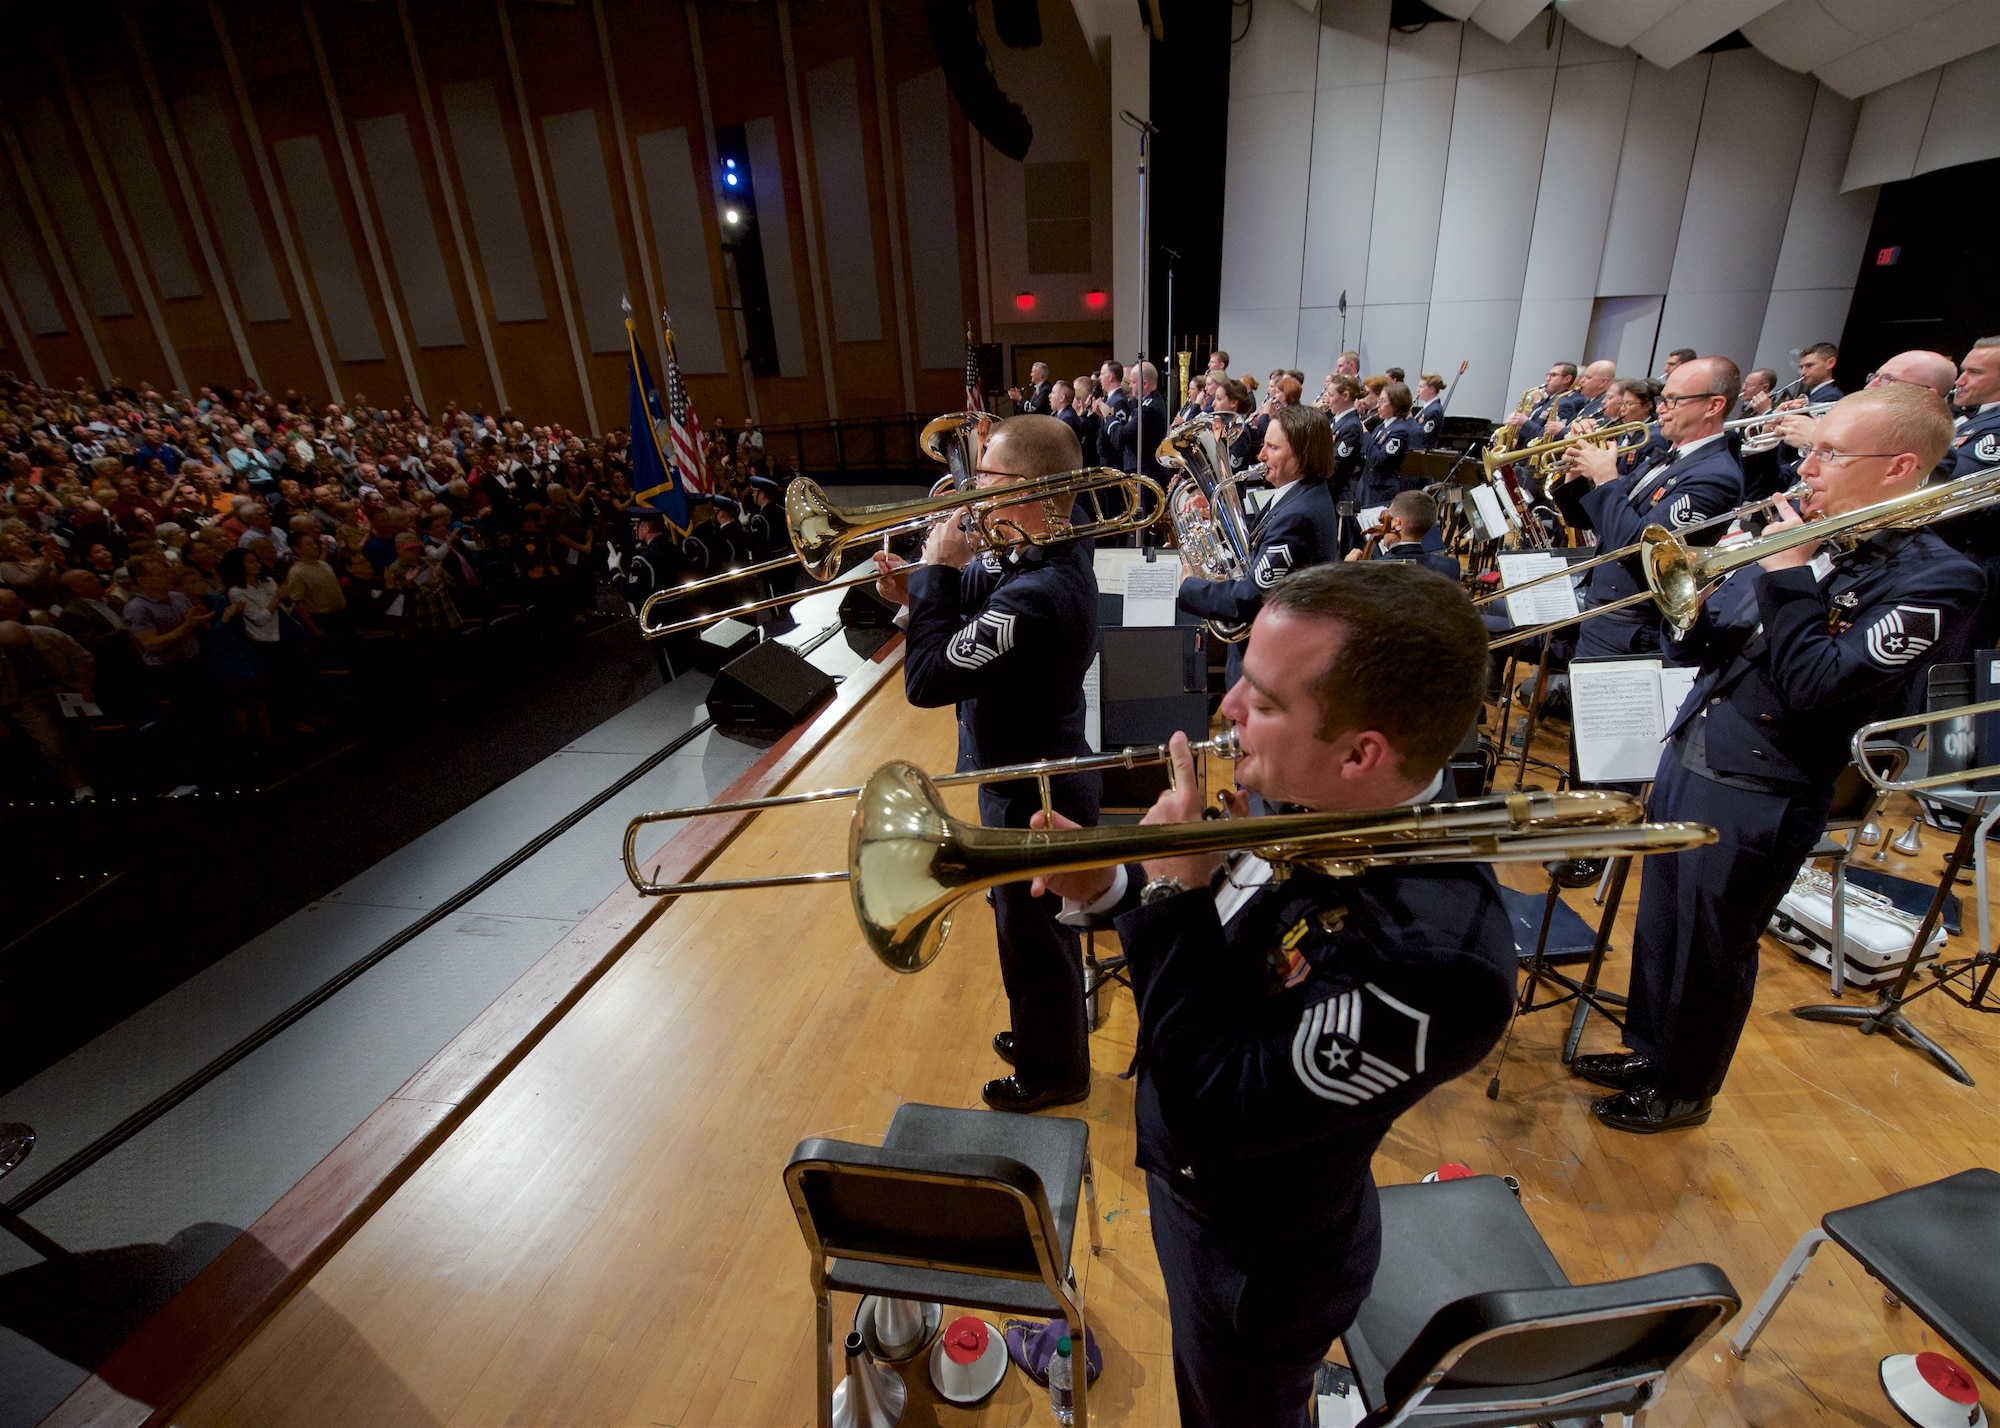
{"points": [[1203, 503]]}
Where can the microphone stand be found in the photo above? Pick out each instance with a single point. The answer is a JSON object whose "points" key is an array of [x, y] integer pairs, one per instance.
{"points": [[1146, 130]]}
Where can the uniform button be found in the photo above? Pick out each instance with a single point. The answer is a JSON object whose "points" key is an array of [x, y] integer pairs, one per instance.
{"points": [[1758, 754], [1763, 718], [1187, 1172], [1716, 700]]}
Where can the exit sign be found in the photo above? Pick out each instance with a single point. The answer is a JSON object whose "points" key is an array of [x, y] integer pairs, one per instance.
{"points": [[1886, 257]]}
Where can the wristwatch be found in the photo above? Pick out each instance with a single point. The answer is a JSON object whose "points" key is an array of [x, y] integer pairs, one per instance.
{"points": [[1160, 889]]}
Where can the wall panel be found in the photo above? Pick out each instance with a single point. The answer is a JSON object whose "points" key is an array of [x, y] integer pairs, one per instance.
{"points": [[1409, 190], [211, 146], [767, 173], [833, 108], [1625, 330], [936, 308], [26, 278], [405, 211], [590, 228], [1661, 125], [130, 153], [329, 254], [681, 248], [494, 201], [1552, 330], [47, 142]]}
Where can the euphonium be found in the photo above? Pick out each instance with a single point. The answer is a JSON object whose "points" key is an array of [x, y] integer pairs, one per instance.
{"points": [[1203, 503], [910, 863]]}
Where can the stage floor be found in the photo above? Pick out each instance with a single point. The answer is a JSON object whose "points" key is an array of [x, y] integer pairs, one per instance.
{"points": [[606, 1239]]}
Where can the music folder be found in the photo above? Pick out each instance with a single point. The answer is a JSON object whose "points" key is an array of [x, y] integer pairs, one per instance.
{"points": [[1620, 711]]}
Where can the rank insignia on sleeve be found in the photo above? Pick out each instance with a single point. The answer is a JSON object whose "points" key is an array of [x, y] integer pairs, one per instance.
{"points": [[1273, 565], [1903, 634], [1339, 1059], [982, 641]]}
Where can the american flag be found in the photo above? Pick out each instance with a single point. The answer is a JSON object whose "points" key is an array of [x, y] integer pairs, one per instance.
{"points": [[975, 384], [683, 426]]}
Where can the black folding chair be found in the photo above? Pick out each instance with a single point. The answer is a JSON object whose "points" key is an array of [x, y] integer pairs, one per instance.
{"points": [[972, 1208], [1471, 1322], [1933, 1247]]}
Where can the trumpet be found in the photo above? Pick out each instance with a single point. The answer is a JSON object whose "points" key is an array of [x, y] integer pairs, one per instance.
{"points": [[1222, 746], [910, 863], [1748, 508], [1760, 438], [1540, 453], [956, 439], [822, 531], [1206, 509], [1679, 578]]}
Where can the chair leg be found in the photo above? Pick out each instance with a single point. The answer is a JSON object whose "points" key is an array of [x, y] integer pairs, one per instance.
{"points": [[1090, 1205], [821, 1350], [1837, 961], [1774, 1295]]}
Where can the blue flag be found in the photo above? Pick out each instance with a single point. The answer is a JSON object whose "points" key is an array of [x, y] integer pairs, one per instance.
{"points": [[656, 484]]}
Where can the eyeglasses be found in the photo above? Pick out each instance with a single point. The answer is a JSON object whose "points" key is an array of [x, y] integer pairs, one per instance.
{"points": [[1672, 401], [1883, 379], [1827, 456]]}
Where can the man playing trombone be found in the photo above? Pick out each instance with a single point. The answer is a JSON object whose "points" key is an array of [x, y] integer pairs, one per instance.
{"points": [[1796, 652], [1008, 639], [1284, 1025]]}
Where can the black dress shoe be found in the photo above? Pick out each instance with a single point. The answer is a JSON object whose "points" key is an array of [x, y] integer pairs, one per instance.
{"points": [[1009, 1094], [1621, 1071], [1003, 1046], [1644, 1112]]}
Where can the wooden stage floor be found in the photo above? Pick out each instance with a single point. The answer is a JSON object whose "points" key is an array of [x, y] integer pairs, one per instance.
{"points": [[606, 1240]]}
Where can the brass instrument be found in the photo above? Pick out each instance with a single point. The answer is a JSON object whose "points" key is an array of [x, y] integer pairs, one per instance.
{"points": [[1869, 732], [822, 531], [1679, 578], [1540, 455], [1205, 507], [956, 439], [1762, 427], [1222, 746], [1748, 508], [1513, 495], [910, 863]]}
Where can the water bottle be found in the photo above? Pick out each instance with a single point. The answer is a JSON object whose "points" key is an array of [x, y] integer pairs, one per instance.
{"points": [[1062, 1392]]}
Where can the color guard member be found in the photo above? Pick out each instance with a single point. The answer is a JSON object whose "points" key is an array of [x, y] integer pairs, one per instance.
{"points": [[1285, 1025], [1795, 654], [1007, 638]]}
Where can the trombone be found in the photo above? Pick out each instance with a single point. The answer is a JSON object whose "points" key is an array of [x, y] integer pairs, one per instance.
{"points": [[1222, 746], [910, 863], [1748, 508], [822, 531], [1679, 578], [1867, 733], [955, 439]]}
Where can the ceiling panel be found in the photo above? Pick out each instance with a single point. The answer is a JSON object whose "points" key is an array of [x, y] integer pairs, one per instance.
{"points": [[1686, 30]]}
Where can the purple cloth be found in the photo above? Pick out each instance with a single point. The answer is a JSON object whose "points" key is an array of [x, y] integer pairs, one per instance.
{"points": [[1032, 1345], [162, 617]]}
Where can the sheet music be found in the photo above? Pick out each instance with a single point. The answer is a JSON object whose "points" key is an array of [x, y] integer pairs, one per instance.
{"points": [[1111, 563], [1493, 517], [1093, 711], [1676, 683], [1370, 516], [1555, 600], [1619, 718], [1150, 591]]}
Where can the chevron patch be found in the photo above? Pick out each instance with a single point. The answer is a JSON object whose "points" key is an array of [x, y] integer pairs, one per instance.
{"points": [[982, 641], [1902, 634]]}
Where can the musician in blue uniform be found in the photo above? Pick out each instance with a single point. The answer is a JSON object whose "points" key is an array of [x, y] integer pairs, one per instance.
{"points": [[1430, 410], [1406, 527], [1976, 443], [1559, 402], [1387, 445], [1112, 400], [1350, 439], [1697, 477], [1816, 365], [1007, 638], [1635, 399], [1586, 403], [1285, 1025], [1299, 526], [1795, 654], [1137, 430]]}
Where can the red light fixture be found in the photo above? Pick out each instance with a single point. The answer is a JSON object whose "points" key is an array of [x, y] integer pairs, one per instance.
{"points": [[1024, 301], [1094, 299]]}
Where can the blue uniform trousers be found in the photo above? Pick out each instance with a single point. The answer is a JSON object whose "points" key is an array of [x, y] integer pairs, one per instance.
{"points": [[1694, 948], [1251, 1323], [1041, 960]]}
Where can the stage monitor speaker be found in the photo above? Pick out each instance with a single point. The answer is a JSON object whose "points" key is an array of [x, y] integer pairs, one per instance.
{"points": [[721, 642], [769, 690]]}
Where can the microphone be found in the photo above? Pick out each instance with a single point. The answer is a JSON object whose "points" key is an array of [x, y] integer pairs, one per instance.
{"points": [[1144, 126]]}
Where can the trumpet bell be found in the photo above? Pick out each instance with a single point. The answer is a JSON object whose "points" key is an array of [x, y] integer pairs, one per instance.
{"points": [[907, 865]]}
